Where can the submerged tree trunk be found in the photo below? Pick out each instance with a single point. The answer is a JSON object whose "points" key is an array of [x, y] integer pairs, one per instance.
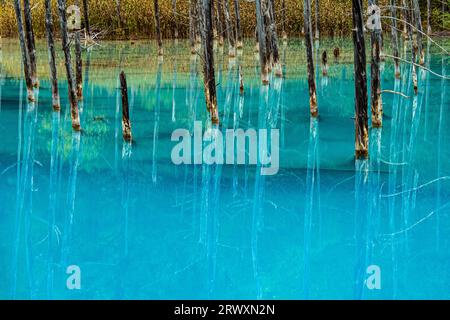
{"points": [[87, 25], [394, 34], [126, 124], [375, 82], [52, 55], [158, 28], [336, 53], [23, 49], [309, 56], [324, 64], [208, 61], [237, 13], [317, 20], [241, 82], [261, 34], [68, 64], [31, 45], [79, 66], [361, 121], [229, 29]]}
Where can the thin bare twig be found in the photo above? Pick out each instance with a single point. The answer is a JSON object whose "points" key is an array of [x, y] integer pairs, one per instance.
{"points": [[395, 92], [418, 65], [421, 32]]}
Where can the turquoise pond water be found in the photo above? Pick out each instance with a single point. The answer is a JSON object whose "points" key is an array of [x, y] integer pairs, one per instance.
{"points": [[140, 227]]}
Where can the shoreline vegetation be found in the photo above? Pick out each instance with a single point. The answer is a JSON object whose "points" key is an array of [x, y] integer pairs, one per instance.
{"points": [[136, 19]]}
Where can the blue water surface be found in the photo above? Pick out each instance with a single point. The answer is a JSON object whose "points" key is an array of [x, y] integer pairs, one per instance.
{"points": [[140, 227]]}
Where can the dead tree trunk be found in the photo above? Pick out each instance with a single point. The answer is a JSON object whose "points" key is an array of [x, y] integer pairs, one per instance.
{"points": [[87, 25], [213, 20], [229, 29], [265, 5], [208, 61], [126, 124], [119, 13], [52, 55], [68, 64], [219, 18], [409, 20], [336, 53], [283, 19], [405, 14], [317, 20], [23, 49], [237, 13], [429, 17], [31, 45], [175, 19], [241, 82], [274, 38], [418, 24], [192, 25], [158, 28], [324, 64], [256, 39], [309, 56], [78, 62], [394, 34], [198, 12], [375, 82], [361, 121], [261, 33], [79, 66]]}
